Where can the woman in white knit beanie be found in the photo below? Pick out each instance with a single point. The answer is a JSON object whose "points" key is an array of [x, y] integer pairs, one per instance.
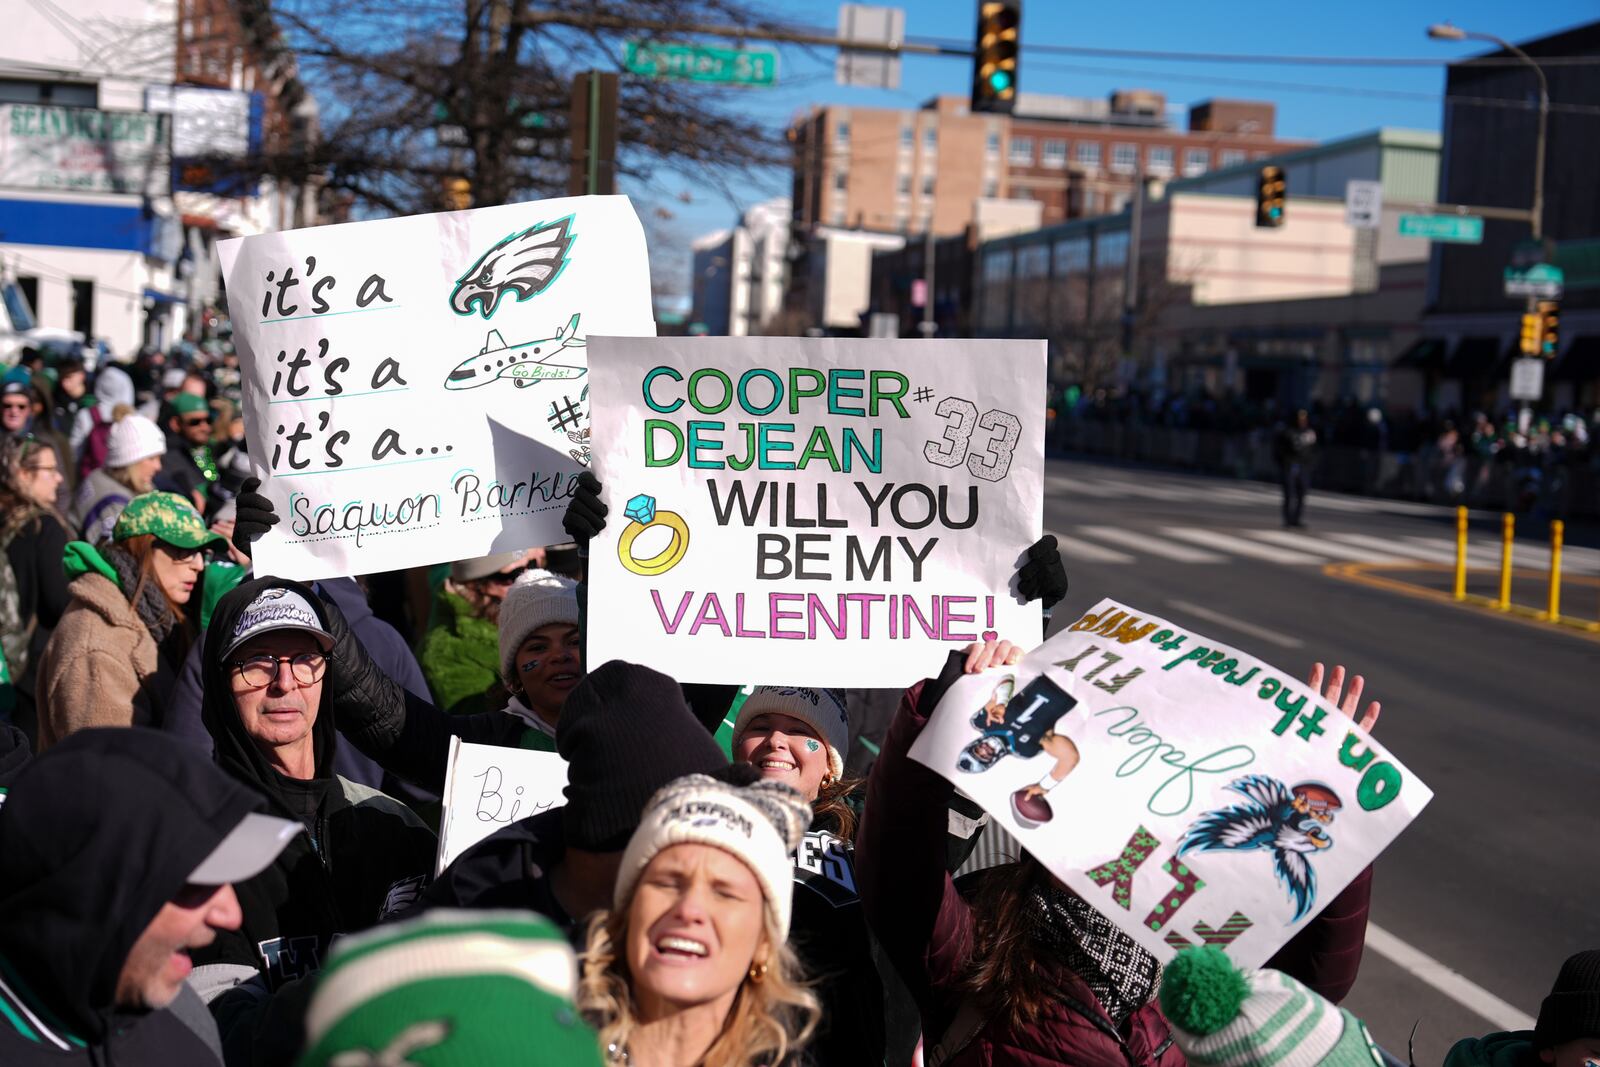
{"points": [[541, 658], [134, 449]]}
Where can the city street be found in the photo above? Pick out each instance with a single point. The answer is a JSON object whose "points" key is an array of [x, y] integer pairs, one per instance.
{"points": [[1497, 716]]}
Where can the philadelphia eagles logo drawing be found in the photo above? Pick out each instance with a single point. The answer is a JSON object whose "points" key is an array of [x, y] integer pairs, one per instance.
{"points": [[524, 264]]}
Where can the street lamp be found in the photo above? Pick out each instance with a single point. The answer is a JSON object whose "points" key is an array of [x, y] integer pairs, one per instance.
{"points": [[1443, 31]]}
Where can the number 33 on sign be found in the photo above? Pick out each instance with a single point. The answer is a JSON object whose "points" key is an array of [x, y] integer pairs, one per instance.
{"points": [[990, 457]]}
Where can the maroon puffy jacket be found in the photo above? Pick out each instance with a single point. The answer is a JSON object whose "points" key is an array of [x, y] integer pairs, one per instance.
{"points": [[927, 929]]}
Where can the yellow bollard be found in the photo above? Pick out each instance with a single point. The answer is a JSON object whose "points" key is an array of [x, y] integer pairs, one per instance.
{"points": [[1557, 530], [1461, 553], [1508, 529]]}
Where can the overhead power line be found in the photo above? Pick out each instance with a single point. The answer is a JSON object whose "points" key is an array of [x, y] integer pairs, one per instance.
{"points": [[1282, 60]]}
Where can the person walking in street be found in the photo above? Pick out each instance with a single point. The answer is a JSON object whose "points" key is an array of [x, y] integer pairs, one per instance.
{"points": [[134, 448], [1294, 448], [33, 585], [691, 964], [119, 850], [1022, 971], [364, 856], [116, 652]]}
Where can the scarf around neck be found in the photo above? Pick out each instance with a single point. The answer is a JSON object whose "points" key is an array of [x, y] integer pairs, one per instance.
{"points": [[152, 606], [1120, 973]]}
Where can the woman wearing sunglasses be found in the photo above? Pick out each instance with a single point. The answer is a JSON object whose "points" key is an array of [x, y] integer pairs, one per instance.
{"points": [[116, 652]]}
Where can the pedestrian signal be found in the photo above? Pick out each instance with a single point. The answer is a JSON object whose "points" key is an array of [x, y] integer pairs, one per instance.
{"points": [[994, 55]]}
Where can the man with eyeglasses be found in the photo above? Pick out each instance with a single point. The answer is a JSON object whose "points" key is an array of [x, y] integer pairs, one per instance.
{"points": [[188, 468], [365, 855]]}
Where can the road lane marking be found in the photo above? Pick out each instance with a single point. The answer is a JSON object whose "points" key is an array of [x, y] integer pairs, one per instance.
{"points": [[1156, 547], [1076, 549], [1152, 492], [1077, 487], [1433, 553], [1240, 547], [1321, 546], [1272, 637], [1452, 984]]}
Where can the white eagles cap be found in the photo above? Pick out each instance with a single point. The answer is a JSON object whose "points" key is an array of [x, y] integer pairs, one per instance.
{"points": [[278, 608]]}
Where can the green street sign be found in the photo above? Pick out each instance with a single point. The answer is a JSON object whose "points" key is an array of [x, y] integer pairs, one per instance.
{"points": [[755, 68], [1540, 280], [1461, 229]]}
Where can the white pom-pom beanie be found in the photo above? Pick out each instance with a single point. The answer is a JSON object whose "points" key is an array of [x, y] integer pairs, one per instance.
{"points": [[821, 709], [537, 598], [132, 438], [761, 824]]}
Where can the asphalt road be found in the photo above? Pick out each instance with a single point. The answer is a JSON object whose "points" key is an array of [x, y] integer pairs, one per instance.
{"points": [[1497, 879]]}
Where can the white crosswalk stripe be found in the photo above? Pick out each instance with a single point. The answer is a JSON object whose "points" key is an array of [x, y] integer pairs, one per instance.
{"points": [[1322, 546], [1239, 546], [1146, 543], [1078, 487], [1430, 551], [1073, 548]]}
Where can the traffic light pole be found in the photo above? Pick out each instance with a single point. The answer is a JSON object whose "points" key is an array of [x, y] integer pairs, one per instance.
{"points": [[929, 325]]}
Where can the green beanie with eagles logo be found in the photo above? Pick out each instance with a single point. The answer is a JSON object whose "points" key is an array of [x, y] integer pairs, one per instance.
{"points": [[451, 989]]}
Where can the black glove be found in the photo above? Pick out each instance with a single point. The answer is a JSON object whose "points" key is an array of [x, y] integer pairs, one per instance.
{"points": [[586, 512], [254, 515], [1042, 576], [367, 705]]}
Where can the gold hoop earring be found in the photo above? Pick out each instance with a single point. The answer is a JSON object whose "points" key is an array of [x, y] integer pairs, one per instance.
{"points": [[758, 972]]}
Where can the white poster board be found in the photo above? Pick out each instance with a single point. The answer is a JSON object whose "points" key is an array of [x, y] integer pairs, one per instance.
{"points": [[1189, 791], [794, 511], [489, 787], [416, 388]]}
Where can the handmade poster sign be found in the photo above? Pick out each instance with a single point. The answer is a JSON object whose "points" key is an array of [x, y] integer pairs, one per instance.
{"points": [[489, 787], [416, 389], [1189, 791], [796, 511]]}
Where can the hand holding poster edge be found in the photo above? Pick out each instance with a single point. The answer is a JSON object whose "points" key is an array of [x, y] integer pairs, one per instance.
{"points": [[488, 787], [1154, 825]]}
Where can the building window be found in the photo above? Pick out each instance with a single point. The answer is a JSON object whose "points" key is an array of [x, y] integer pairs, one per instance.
{"points": [[83, 306], [930, 140], [927, 185], [1196, 161], [1089, 153], [30, 292], [991, 187], [901, 219], [904, 185], [841, 134], [836, 216], [1231, 157], [1124, 158], [1021, 152], [841, 180], [993, 146], [908, 138], [1159, 160], [1055, 154]]}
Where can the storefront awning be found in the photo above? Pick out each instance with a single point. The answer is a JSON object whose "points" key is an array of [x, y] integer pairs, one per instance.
{"points": [[158, 297], [1475, 357]]}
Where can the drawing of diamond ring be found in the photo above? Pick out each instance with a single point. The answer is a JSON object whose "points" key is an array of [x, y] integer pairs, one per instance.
{"points": [[642, 510]]}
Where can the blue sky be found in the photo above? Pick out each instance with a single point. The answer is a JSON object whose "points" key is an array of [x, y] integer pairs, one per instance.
{"points": [[1317, 103]]}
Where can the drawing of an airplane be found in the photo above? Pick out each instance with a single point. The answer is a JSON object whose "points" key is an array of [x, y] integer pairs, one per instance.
{"points": [[525, 364]]}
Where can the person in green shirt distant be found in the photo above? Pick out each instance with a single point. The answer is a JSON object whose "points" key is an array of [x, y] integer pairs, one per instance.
{"points": [[541, 658]]}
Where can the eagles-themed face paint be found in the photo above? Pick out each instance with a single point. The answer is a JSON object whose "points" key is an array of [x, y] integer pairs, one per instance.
{"points": [[785, 749], [547, 667]]}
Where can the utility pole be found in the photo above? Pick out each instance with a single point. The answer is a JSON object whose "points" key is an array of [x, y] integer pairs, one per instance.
{"points": [[928, 325], [1130, 277]]}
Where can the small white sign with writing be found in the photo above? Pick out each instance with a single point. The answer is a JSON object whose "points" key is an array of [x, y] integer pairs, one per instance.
{"points": [[487, 787]]}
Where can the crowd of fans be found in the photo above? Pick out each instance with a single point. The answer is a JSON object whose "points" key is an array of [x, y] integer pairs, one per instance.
{"points": [[219, 792]]}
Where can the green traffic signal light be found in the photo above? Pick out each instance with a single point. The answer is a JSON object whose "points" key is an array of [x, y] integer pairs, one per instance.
{"points": [[1000, 81]]}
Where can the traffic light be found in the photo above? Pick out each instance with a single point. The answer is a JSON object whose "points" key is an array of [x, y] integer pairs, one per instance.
{"points": [[994, 55], [1272, 196], [1549, 328], [457, 194], [1532, 324]]}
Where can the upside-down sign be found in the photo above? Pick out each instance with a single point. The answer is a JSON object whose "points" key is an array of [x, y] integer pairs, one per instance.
{"points": [[810, 511]]}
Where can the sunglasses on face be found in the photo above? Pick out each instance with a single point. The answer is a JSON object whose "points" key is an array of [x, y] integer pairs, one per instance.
{"points": [[509, 578], [198, 420], [177, 553], [24, 406]]}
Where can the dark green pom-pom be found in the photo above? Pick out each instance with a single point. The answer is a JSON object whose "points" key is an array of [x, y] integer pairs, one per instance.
{"points": [[1202, 990]]}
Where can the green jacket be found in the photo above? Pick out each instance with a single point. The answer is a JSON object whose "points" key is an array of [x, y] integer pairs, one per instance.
{"points": [[460, 656], [1505, 1049]]}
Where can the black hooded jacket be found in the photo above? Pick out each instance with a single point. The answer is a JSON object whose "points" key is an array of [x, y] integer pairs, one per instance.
{"points": [[96, 835], [365, 857]]}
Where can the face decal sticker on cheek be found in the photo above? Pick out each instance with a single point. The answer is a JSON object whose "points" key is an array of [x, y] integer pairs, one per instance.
{"points": [[812, 744], [531, 665]]}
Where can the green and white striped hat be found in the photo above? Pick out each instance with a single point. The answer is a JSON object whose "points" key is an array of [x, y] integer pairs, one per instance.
{"points": [[1224, 1017], [450, 989]]}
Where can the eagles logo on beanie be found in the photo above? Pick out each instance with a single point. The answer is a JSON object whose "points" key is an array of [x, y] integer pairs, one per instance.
{"points": [[1224, 1017], [761, 824], [821, 709]]}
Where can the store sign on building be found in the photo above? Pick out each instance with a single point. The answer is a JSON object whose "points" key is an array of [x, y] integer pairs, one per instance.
{"points": [[80, 149]]}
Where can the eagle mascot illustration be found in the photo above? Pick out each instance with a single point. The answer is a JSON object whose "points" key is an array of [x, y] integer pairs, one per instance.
{"points": [[524, 264], [1291, 823]]}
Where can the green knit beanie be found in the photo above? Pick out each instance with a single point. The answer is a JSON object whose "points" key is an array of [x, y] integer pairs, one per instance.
{"points": [[1224, 1017], [451, 989]]}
